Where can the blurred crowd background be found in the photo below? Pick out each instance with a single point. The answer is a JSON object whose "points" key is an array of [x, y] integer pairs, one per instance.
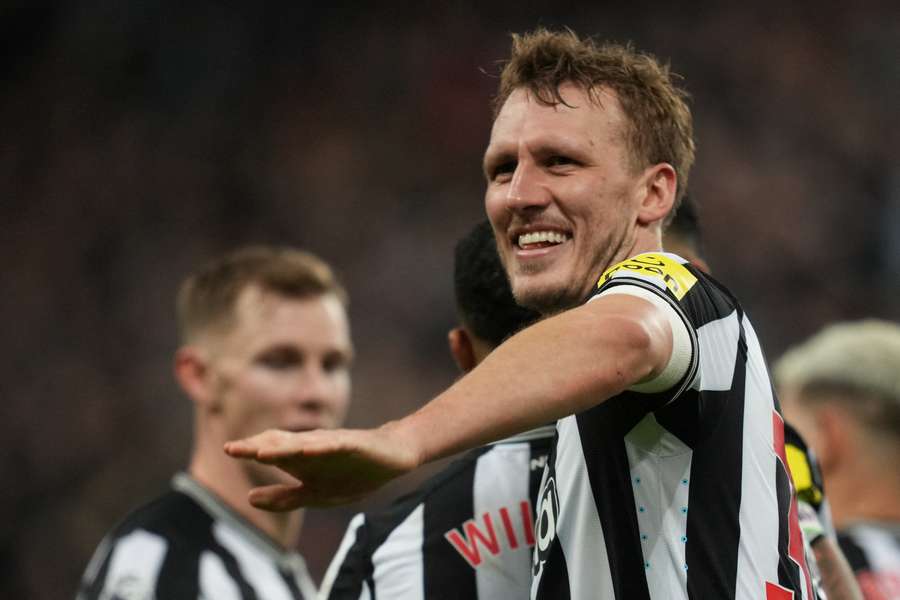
{"points": [[138, 139]]}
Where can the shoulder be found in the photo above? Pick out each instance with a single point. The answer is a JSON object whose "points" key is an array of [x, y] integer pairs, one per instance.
{"points": [[173, 514], [128, 560], [659, 270]]}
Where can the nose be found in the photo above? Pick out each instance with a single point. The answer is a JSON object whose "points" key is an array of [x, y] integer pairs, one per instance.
{"points": [[526, 188], [315, 388]]}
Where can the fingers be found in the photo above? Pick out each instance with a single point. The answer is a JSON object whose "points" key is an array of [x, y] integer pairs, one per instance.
{"points": [[277, 498], [264, 444]]}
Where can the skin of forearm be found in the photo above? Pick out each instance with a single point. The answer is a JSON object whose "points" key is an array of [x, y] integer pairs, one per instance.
{"points": [[559, 366], [837, 576]]}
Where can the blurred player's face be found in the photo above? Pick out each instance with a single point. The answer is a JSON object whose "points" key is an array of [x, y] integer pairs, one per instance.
{"points": [[798, 413], [561, 194], [285, 364]]}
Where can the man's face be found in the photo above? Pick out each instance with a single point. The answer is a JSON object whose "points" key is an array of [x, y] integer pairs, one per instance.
{"points": [[284, 364], [562, 194]]}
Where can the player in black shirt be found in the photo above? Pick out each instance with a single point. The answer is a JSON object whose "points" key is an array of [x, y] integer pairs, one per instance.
{"points": [[468, 532]]}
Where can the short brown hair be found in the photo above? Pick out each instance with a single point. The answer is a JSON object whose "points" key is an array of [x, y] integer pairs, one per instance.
{"points": [[660, 126], [207, 298]]}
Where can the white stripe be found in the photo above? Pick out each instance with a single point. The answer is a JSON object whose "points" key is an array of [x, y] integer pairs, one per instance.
{"points": [[501, 482], [341, 555], [578, 526], [256, 568], [134, 566], [718, 353], [90, 573], [660, 466], [398, 568], [365, 594], [215, 582], [758, 516]]}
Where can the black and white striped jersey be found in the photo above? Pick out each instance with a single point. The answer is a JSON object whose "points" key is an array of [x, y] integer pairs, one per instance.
{"points": [[188, 545], [682, 493], [873, 551], [466, 533]]}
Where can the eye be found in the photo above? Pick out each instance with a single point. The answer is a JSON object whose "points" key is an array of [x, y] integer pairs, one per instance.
{"points": [[503, 171], [558, 160], [280, 358], [335, 361]]}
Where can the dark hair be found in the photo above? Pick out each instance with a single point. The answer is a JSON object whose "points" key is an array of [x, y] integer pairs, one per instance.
{"points": [[685, 226], [659, 129], [206, 299], [483, 296]]}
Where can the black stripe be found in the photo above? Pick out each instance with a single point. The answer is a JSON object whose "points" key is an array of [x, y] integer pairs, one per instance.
{"points": [[291, 583], [554, 583], [447, 574], [610, 478], [855, 553], [788, 570], [189, 531], [713, 523], [356, 568], [540, 452], [708, 300]]}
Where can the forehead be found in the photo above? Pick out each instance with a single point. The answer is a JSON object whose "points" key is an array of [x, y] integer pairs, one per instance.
{"points": [[591, 119], [262, 316]]}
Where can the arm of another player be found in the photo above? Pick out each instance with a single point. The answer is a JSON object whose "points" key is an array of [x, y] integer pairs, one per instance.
{"points": [[838, 579], [559, 366]]}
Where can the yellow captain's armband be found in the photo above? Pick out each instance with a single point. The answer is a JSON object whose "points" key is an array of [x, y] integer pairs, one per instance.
{"points": [[801, 474], [658, 266]]}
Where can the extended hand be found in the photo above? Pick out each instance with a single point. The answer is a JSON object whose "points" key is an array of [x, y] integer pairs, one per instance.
{"points": [[332, 466]]}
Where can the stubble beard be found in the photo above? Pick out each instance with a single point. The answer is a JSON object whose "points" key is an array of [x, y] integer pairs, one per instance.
{"points": [[547, 302]]}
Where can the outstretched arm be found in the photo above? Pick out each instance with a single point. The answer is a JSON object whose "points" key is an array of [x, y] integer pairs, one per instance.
{"points": [[559, 366]]}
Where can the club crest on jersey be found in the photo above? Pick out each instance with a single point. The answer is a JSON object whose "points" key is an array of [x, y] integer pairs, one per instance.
{"points": [[657, 268], [547, 515]]}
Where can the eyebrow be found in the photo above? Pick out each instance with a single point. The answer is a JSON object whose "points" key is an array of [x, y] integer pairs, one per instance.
{"points": [[548, 145]]}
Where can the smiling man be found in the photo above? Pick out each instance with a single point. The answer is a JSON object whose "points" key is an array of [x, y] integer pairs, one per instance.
{"points": [[668, 475], [265, 344]]}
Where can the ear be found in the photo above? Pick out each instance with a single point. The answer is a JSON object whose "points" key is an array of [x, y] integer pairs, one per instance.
{"points": [[657, 192], [834, 438], [461, 348], [192, 372]]}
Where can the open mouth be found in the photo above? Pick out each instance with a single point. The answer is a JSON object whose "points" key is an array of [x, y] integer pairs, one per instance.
{"points": [[535, 240]]}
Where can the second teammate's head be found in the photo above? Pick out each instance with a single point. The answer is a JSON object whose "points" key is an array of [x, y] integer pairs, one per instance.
{"points": [[487, 312]]}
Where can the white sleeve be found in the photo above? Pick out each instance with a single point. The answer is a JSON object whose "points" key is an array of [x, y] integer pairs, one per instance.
{"points": [[682, 347]]}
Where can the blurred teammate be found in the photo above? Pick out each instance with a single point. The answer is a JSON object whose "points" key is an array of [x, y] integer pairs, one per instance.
{"points": [[841, 388], [667, 478], [683, 236], [469, 531], [265, 344]]}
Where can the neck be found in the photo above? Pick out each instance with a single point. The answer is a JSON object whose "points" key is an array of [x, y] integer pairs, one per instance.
{"points": [[227, 478], [646, 239], [864, 491]]}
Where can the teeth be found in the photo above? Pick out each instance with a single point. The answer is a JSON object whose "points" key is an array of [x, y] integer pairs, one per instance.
{"points": [[536, 237]]}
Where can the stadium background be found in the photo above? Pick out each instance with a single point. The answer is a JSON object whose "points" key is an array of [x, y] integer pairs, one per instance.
{"points": [[139, 139]]}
